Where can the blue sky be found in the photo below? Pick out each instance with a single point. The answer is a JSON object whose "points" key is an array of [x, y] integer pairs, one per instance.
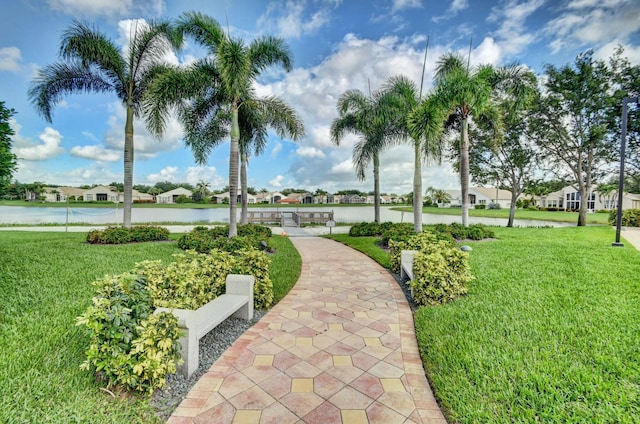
{"points": [[337, 45]]}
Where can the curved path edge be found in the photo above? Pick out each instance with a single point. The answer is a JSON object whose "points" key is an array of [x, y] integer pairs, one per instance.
{"points": [[339, 348]]}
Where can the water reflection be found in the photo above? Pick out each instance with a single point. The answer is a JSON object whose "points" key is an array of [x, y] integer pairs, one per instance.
{"points": [[103, 216]]}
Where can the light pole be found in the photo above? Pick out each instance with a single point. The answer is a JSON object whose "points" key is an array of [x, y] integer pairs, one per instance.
{"points": [[623, 142]]}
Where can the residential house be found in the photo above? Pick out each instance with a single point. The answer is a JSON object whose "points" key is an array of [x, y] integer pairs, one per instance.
{"points": [[62, 194], [481, 196], [109, 194], [353, 199], [568, 198], [171, 195], [219, 198]]}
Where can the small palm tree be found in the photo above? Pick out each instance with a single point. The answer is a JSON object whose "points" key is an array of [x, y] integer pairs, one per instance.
{"points": [[92, 62], [466, 93], [419, 121], [210, 95], [361, 115], [255, 118]]}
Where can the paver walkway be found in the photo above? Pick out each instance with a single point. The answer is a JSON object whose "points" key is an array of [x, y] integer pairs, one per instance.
{"points": [[339, 348]]}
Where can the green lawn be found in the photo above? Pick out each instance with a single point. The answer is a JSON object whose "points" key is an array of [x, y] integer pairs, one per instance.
{"points": [[45, 282], [592, 218], [549, 331]]}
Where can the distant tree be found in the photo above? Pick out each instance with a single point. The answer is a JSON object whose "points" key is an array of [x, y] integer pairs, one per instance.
{"points": [[202, 190], [570, 124], [467, 94], [8, 160], [93, 63], [626, 84], [142, 188], [437, 195], [508, 159], [117, 186], [165, 186]]}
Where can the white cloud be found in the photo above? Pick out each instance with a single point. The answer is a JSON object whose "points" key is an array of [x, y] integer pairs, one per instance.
{"points": [[195, 174], [97, 153], [168, 173], [27, 149], [455, 7], [290, 18], [310, 152], [107, 8], [512, 35], [276, 149], [192, 175], [586, 22], [10, 58], [398, 5], [277, 181]]}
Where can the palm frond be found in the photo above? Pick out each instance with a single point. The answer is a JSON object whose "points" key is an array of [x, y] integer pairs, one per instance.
{"points": [[203, 28], [54, 81], [268, 50]]}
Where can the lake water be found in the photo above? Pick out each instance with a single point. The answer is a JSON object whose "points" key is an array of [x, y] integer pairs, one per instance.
{"points": [[103, 216]]}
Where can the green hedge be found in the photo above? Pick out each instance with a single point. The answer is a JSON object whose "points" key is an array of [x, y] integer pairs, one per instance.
{"points": [[441, 273], [630, 217], [131, 347], [120, 235]]}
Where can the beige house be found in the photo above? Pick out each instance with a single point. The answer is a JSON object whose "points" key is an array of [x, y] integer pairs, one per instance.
{"points": [[171, 195], [108, 194], [62, 194], [481, 196], [569, 198]]}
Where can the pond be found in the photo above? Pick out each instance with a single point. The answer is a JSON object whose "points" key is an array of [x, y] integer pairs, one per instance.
{"points": [[103, 216]]}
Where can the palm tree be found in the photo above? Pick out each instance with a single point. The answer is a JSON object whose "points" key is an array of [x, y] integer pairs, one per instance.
{"points": [[211, 93], [438, 195], [466, 93], [256, 116], [202, 188], [418, 121], [92, 62], [361, 115]]}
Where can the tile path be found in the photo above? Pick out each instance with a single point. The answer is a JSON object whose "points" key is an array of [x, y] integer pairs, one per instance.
{"points": [[339, 348]]}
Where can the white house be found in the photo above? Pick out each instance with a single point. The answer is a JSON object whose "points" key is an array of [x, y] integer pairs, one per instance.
{"points": [[482, 196], [62, 194], [568, 198], [105, 193], [171, 195]]}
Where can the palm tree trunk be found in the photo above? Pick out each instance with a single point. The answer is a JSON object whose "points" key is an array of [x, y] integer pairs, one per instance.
{"points": [[376, 187], [128, 168], [233, 173], [417, 188], [464, 170], [243, 188]]}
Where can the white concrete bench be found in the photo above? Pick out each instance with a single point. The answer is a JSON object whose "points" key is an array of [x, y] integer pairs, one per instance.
{"points": [[236, 302], [406, 264]]}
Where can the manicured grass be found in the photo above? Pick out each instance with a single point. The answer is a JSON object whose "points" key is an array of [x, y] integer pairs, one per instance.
{"points": [[286, 266], [367, 245], [45, 283], [548, 332], [592, 218]]}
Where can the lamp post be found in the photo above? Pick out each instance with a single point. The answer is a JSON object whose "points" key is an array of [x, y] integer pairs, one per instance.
{"points": [[623, 142]]}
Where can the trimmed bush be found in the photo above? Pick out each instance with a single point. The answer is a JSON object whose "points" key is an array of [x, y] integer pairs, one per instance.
{"points": [[441, 274], [397, 232], [120, 235], [203, 239], [133, 348], [369, 229], [630, 217], [479, 206], [494, 206], [129, 346], [414, 242]]}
